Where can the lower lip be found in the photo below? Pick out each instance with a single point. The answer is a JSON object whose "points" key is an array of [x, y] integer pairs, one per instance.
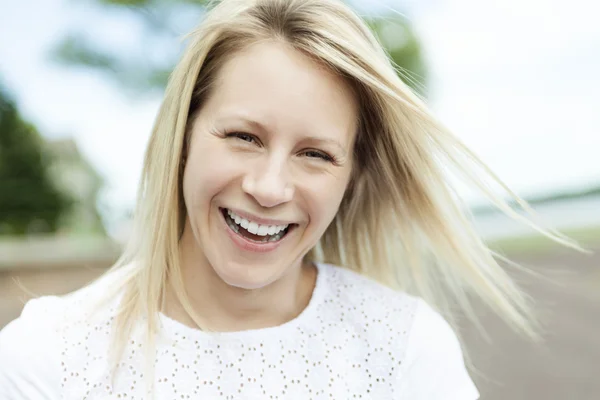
{"points": [[248, 245]]}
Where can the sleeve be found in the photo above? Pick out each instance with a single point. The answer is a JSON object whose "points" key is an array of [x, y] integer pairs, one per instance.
{"points": [[30, 354], [435, 368]]}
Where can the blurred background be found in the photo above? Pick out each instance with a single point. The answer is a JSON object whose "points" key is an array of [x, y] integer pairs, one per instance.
{"points": [[516, 80]]}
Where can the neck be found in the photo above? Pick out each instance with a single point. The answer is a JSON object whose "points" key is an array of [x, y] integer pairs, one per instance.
{"points": [[223, 308]]}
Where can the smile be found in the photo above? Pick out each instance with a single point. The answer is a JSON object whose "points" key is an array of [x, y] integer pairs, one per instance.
{"points": [[253, 231]]}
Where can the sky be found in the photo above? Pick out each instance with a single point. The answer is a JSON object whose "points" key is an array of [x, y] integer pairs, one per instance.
{"points": [[516, 80]]}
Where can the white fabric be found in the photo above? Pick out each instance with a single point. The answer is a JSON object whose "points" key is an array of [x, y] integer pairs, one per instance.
{"points": [[356, 339]]}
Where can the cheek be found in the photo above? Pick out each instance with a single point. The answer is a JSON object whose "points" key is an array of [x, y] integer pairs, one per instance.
{"points": [[205, 176], [325, 199], [197, 185]]}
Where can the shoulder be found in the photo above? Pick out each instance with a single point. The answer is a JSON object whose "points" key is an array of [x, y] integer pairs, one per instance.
{"points": [[434, 364], [380, 315], [353, 288], [432, 338], [30, 350], [34, 346], [365, 295], [432, 333]]}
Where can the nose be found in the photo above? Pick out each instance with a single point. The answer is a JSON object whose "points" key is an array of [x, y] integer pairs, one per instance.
{"points": [[268, 183]]}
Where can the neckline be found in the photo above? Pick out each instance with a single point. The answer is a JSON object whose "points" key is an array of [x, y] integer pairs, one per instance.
{"points": [[175, 328]]}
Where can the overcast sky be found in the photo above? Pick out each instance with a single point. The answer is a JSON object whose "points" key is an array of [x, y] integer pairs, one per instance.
{"points": [[517, 80]]}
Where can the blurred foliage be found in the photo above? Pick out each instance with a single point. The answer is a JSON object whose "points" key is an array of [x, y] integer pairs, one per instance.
{"points": [[29, 200], [404, 49], [162, 23]]}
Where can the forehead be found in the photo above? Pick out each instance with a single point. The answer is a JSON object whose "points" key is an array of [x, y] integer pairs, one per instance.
{"points": [[286, 90]]}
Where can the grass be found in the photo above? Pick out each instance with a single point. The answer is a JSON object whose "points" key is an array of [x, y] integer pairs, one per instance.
{"points": [[588, 238]]}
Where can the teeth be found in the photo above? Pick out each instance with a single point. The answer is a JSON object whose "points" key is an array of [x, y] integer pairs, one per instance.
{"points": [[257, 229], [253, 227], [263, 230]]}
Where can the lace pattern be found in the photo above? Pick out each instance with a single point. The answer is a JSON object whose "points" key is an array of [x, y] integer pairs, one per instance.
{"points": [[349, 343]]}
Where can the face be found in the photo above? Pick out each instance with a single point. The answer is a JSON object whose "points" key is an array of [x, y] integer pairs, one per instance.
{"points": [[269, 161]]}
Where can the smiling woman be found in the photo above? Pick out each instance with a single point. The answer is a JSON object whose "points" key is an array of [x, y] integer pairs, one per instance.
{"points": [[295, 235], [285, 126]]}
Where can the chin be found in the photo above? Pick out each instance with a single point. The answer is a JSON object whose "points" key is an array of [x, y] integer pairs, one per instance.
{"points": [[246, 276]]}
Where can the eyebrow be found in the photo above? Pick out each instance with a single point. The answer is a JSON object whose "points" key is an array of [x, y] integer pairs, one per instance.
{"points": [[255, 124]]}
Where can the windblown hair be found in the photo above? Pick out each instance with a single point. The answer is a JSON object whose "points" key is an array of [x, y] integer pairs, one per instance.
{"points": [[400, 221]]}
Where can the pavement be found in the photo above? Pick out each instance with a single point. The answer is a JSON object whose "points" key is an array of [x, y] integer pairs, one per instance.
{"points": [[566, 364]]}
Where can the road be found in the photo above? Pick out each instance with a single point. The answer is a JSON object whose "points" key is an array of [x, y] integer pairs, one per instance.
{"points": [[566, 366]]}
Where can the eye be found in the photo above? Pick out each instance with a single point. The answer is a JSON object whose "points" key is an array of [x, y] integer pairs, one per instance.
{"points": [[319, 155], [243, 136]]}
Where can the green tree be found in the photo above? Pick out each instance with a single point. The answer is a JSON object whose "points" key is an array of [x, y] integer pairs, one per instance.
{"points": [[29, 201], [163, 21]]}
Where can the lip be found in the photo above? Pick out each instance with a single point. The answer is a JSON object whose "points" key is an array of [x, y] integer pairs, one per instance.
{"points": [[258, 220], [248, 245]]}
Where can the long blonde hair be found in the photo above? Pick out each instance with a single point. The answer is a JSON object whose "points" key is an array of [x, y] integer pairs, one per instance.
{"points": [[400, 221]]}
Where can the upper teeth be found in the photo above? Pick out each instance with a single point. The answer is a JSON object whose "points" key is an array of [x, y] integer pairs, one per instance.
{"points": [[253, 227]]}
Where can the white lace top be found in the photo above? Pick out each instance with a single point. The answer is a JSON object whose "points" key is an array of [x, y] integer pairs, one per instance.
{"points": [[356, 339]]}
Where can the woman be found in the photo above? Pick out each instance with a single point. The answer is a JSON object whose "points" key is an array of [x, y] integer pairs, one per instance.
{"points": [[294, 234]]}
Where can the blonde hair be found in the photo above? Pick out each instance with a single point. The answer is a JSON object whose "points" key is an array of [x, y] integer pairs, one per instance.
{"points": [[400, 221]]}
